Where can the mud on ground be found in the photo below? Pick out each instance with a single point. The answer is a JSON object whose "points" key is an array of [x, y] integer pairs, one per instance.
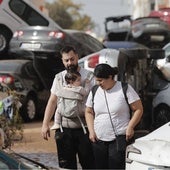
{"points": [[35, 147]]}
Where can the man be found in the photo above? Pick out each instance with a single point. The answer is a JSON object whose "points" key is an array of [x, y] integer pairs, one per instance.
{"points": [[72, 140]]}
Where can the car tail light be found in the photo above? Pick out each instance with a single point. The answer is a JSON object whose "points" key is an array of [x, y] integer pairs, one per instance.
{"points": [[6, 79], [18, 34], [56, 34], [1, 1], [93, 61]]}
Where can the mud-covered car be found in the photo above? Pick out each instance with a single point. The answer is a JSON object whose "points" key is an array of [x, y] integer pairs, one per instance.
{"points": [[153, 32], [150, 152], [41, 39], [17, 13], [135, 67], [124, 45], [161, 102], [117, 28], [163, 13], [31, 80]]}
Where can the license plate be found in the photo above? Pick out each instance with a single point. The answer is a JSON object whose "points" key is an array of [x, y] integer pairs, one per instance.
{"points": [[30, 45]]}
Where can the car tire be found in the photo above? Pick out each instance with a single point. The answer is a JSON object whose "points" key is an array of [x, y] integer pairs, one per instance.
{"points": [[161, 116], [5, 37], [29, 109]]}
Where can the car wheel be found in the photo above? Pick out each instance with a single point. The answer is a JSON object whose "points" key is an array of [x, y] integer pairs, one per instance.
{"points": [[29, 109], [161, 116], [5, 37]]}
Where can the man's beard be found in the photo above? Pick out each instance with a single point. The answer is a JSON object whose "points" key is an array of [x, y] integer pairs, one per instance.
{"points": [[72, 67]]}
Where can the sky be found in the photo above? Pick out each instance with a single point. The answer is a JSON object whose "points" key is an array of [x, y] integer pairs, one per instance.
{"points": [[98, 10]]}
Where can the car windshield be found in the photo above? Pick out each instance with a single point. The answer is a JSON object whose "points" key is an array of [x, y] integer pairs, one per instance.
{"points": [[89, 41]]}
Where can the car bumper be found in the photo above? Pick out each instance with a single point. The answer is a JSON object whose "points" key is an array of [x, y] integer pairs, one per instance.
{"points": [[34, 46]]}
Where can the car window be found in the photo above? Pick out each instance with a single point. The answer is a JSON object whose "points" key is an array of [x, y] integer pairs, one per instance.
{"points": [[3, 165], [89, 41], [167, 50], [28, 14], [29, 70], [17, 7]]}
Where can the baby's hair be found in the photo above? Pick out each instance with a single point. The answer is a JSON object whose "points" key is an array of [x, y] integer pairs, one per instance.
{"points": [[71, 76]]}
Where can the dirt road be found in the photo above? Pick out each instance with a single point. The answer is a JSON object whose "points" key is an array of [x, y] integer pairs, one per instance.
{"points": [[34, 147]]}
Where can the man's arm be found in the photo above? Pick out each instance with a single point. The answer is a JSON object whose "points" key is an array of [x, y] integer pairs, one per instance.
{"points": [[49, 112]]}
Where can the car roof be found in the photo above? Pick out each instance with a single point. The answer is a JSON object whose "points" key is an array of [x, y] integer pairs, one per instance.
{"points": [[123, 44], [12, 65], [38, 28]]}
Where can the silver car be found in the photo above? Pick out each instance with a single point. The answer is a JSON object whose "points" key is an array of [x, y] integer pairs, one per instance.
{"points": [[41, 39]]}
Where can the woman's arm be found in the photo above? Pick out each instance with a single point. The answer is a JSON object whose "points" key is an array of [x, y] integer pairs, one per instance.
{"points": [[137, 110], [89, 116]]}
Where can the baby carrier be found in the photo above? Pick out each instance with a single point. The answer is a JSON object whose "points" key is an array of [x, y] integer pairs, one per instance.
{"points": [[70, 103]]}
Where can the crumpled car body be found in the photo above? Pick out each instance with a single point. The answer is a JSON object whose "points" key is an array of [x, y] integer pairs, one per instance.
{"points": [[151, 151]]}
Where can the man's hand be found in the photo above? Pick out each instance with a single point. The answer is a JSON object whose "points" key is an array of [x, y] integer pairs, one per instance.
{"points": [[45, 132]]}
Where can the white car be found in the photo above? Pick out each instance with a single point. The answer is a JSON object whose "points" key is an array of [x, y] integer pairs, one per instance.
{"points": [[108, 56], [151, 152]]}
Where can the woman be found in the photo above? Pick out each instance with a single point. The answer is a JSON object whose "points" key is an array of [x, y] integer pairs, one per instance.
{"points": [[107, 116]]}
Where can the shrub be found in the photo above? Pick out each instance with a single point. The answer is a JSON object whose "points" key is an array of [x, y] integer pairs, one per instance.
{"points": [[11, 127]]}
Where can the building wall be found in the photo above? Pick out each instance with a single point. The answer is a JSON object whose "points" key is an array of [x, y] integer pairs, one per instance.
{"points": [[140, 8]]}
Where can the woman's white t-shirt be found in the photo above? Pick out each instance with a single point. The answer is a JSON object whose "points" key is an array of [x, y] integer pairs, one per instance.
{"points": [[118, 108]]}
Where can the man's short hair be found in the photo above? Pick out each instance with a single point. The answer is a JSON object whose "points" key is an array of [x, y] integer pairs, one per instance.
{"points": [[67, 49]]}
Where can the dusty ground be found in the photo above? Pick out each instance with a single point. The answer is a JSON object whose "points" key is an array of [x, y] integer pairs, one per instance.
{"points": [[35, 147]]}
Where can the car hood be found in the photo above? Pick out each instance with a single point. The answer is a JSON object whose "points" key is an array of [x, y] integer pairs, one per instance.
{"points": [[154, 147]]}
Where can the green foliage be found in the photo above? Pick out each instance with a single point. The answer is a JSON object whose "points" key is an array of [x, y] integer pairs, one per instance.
{"points": [[67, 14]]}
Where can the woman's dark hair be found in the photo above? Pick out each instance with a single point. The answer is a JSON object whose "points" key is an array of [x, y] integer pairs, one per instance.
{"points": [[104, 71], [71, 76]]}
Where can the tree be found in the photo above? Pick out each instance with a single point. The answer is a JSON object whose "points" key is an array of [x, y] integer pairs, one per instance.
{"points": [[67, 14]]}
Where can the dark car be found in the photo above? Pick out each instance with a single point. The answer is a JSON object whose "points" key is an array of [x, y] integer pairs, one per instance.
{"points": [[163, 13], [14, 161], [41, 39], [150, 31], [124, 45], [31, 79]]}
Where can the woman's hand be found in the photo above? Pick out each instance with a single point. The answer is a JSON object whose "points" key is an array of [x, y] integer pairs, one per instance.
{"points": [[93, 137], [129, 133]]}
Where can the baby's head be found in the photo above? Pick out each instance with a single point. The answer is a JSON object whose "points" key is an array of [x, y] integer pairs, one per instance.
{"points": [[73, 77]]}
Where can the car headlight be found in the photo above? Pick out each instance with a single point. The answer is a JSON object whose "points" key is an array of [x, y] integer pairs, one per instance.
{"points": [[131, 149]]}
